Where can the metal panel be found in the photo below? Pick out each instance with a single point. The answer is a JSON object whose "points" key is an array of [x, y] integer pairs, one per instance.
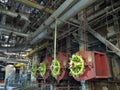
{"points": [[96, 65]]}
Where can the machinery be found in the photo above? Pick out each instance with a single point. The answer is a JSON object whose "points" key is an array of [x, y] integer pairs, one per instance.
{"points": [[59, 67], [44, 67], [86, 65]]}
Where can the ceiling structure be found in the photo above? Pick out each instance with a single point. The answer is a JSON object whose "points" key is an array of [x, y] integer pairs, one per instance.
{"points": [[26, 24]]}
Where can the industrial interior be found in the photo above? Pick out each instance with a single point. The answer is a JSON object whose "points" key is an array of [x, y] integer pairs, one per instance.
{"points": [[59, 44]]}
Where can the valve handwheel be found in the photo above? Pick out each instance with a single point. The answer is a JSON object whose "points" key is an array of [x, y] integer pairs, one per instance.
{"points": [[42, 69], [76, 65], [55, 68], [34, 69]]}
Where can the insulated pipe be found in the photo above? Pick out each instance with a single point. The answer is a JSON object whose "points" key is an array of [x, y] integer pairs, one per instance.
{"points": [[11, 60], [25, 26], [13, 14], [14, 32], [14, 49], [33, 4], [70, 13], [36, 49], [56, 14]]}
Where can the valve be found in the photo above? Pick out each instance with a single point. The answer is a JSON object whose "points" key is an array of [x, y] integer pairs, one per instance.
{"points": [[76, 65], [42, 69], [34, 69], [55, 68]]}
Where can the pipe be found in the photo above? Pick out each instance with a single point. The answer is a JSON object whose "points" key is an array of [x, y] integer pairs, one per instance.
{"points": [[50, 20], [66, 87], [13, 14], [14, 49], [35, 50], [44, 84], [16, 33], [115, 49], [83, 85], [11, 60], [70, 13], [25, 26], [35, 5], [2, 66], [103, 11], [3, 21], [55, 40]]}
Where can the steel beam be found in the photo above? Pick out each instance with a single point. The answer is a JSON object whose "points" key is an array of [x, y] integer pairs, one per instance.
{"points": [[35, 5], [104, 41], [51, 19], [70, 13]]}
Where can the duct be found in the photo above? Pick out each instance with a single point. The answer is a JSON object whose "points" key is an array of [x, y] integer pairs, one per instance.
{"points": [[70, 13], [16, 33], [13, 14], [104, 41], [11, 60], [50, 20]]}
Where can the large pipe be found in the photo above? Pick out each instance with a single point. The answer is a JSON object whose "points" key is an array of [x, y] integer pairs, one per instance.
{"points": [[14, 14], [70, 13], [50, 20]]}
